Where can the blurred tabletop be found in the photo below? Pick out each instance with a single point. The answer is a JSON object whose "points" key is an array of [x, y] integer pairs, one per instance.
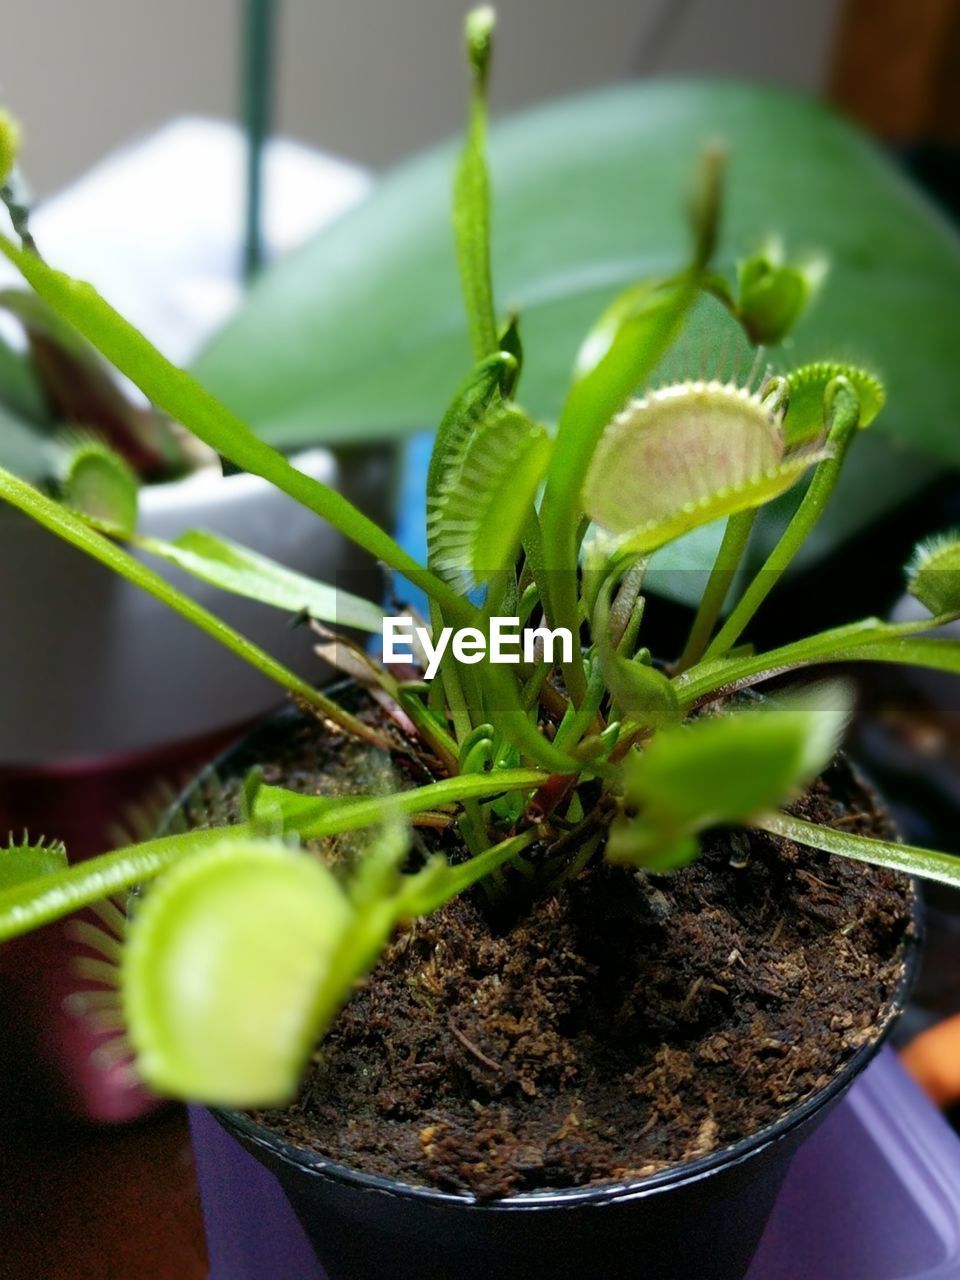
{"points": [[100, 1204]]}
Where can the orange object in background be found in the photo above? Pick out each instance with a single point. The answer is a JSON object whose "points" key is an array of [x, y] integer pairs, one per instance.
{"points": [[933, 1059]]}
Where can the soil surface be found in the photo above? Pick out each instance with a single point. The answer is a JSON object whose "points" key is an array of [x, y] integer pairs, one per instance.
{"points": [[627, 1022]]}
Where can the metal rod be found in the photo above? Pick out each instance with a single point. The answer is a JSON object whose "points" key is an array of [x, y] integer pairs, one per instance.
{"points": [[257, 91]]}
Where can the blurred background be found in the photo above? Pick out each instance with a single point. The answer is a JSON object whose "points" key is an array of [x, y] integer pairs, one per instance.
{"points": [[122, 69], [345, 79], [160, 219]]}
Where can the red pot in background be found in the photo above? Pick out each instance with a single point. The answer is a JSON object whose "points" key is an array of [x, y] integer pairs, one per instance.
{"points": [[53, 1059]]}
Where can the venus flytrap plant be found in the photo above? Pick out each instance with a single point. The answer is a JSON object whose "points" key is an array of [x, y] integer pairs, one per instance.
{"points": [[538, 764]]}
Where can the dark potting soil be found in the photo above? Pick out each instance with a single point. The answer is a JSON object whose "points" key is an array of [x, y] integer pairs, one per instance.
{"points": [[625, 1023]]}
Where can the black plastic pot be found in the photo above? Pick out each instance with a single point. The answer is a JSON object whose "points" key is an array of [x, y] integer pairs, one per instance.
{"points": [[702, 1219]]}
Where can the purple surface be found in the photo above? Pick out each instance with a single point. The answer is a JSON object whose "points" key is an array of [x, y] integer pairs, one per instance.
{"points": [[252, 1233], [873, 1195]]}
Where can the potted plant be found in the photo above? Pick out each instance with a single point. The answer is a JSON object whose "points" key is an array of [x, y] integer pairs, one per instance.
{"points": [[559, 950]]}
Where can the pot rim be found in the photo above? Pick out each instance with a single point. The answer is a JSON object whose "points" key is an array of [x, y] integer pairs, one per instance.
{"points": [[313, 1163], [208, 487]]}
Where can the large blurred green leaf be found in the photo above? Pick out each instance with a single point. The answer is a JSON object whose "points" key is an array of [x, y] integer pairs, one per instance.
{"points": [[362, 333]]}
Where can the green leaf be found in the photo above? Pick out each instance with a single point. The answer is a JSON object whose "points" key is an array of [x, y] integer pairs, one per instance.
{"points": [[586, 193], [620, 351], [312, 817], [239, 958], [642, 844], [97, 484], [842, 419], [230, 566], [477, 518], [60, 892], [484, 387], [936, 653], [438, 882], [220, 973], [805, 418], [678, 445], [24, 860], [683, 456], [723, 769], [868, 641], [928, 864], [933, 576], [639, 691], [774, 293]]}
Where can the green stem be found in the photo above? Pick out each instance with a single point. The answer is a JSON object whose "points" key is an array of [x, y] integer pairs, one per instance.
{"points": [[571, 731], [632, 335], [844, 416], [533, 685], [867, 641], [420, 902], [314, 817], [450, 683], [925, 863], [471, 211], [503, 695], [473, 828], [736, 535], [433, 735]]}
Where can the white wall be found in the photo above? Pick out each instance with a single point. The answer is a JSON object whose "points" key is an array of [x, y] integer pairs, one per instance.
{"points": [[369, 78]]}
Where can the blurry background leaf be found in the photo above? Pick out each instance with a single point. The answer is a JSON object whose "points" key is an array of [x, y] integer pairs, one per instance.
{"points": [[361, 334], [19, 389], [24, 451]]}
